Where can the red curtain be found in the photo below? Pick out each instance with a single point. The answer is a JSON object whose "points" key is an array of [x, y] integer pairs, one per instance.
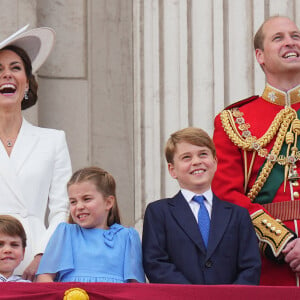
{"points": [[139, 291]]}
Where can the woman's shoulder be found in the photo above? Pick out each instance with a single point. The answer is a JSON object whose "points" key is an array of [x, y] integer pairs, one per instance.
{"points": [[49, 132], [42, 130]]}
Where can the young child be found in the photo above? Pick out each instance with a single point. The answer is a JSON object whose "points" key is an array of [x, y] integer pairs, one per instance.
{"points": [[96, 248], [186, 242], [12, 248]]}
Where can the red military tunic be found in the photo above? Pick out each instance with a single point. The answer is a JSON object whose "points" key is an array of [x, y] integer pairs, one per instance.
{"points": [[258, 170]]}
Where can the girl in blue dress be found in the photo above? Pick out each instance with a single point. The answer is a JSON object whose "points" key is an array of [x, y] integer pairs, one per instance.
{"points": [[93, 246]]}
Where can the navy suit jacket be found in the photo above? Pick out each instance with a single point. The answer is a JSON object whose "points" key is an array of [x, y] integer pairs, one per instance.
{"points": [[173, 250]]}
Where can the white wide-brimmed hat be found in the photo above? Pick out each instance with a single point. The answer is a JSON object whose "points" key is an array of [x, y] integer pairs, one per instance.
{"points": [[37, 43]]}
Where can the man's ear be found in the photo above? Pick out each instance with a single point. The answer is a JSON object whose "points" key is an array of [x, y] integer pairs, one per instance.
{"points": [[172, 171], [259, 54]]}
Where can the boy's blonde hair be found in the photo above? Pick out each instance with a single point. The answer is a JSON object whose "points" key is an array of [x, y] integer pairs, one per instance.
{"points": [[192, 135], [12, 227], [105, 184]]}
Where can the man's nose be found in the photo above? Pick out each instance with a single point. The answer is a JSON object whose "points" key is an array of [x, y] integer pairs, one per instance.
{"points": [[289, 41]]}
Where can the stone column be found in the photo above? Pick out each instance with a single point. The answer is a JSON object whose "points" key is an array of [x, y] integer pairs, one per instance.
{"points": [[64, 97], [110, 27]]}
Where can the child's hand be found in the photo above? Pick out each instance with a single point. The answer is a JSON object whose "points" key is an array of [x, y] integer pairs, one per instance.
{"points": [[29, 272]]}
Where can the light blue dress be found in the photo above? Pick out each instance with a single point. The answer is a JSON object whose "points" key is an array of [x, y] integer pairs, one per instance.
{"points": [[93, 255]]}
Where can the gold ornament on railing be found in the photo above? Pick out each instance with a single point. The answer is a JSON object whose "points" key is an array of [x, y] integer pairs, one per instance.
{"points": [[76, 294]]}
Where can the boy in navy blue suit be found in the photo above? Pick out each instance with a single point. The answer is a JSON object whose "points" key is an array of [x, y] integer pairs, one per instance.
{"points": [[185, 242]]}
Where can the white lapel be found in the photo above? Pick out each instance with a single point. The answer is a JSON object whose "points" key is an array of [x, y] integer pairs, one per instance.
{"points": [[24, 145], [9, 166]]}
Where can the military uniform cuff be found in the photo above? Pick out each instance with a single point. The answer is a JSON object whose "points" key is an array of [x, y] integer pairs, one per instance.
{"points": [[271, 231]]}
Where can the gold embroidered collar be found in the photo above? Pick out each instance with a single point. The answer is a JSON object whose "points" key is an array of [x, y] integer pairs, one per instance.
{"points": [[279, 97]]}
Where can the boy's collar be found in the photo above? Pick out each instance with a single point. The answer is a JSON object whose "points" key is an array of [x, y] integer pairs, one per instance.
{"points": [[2, 278], [188, 195]]}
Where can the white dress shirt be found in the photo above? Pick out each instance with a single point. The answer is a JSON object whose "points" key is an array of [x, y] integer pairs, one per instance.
{"points": [[188, 195]]}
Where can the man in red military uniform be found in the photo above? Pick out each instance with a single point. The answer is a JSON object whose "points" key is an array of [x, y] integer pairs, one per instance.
{"points": [[258, 150]]}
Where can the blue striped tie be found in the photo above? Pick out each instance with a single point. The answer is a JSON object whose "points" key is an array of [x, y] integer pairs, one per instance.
{"points": [[203, 218]]}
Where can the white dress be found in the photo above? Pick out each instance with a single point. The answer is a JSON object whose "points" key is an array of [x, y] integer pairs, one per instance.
{"points": [[33, 184]]}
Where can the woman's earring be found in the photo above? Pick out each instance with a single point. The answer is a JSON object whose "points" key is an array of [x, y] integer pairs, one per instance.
{"points": [[26, 95]]}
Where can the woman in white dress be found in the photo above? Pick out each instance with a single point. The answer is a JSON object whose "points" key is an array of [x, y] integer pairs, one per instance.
{"points": [[34, 162]]}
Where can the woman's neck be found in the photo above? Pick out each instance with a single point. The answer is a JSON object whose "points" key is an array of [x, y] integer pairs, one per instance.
{"points": [[10, 124]]}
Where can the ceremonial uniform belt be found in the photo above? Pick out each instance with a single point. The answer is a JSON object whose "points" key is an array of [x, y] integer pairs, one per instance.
{"points": [[285, 211]]}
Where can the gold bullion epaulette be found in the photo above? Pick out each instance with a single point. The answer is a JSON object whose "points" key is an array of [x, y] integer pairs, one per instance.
{"points": [[271, 231]]}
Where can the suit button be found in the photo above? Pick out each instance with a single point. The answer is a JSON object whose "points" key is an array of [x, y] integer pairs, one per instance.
{"points": [[208, 264]]}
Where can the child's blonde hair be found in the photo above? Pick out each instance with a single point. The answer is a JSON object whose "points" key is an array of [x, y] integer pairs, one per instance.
{"points": [[104, 183], [192, 135]]}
